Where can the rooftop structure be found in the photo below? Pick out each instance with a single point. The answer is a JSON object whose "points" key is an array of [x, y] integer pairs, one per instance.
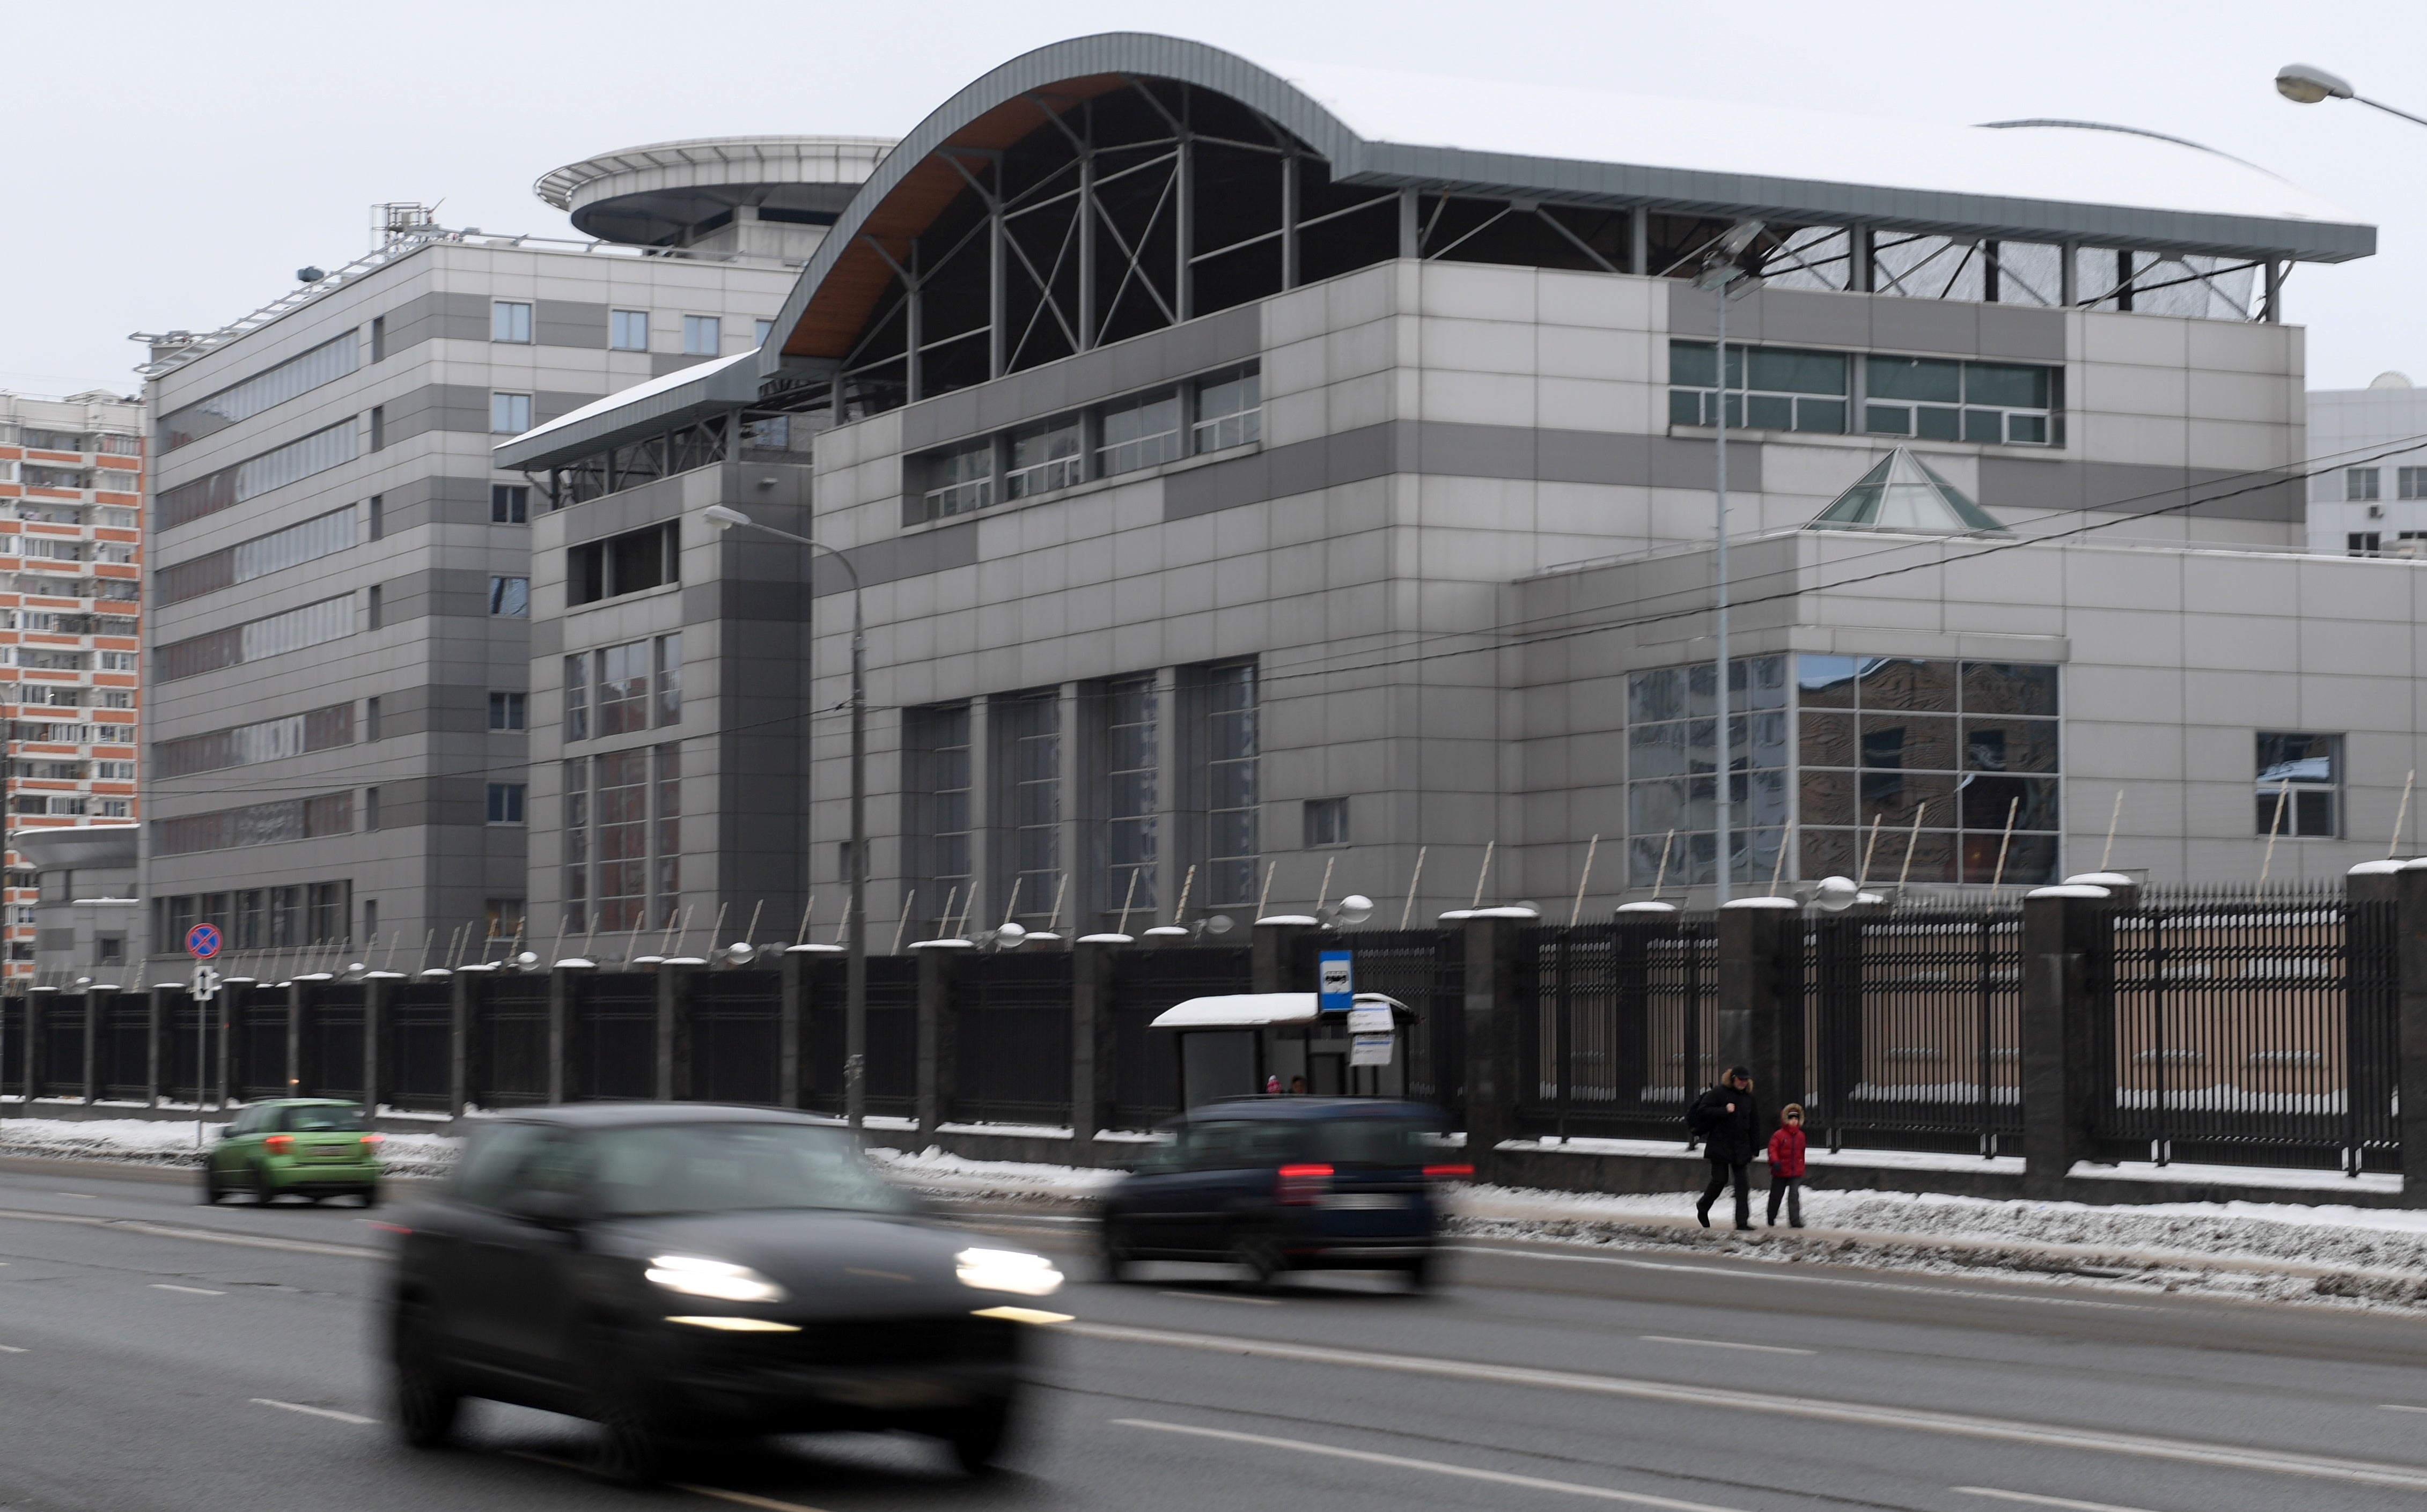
{"points": [[767, 196], [2368, 449]]}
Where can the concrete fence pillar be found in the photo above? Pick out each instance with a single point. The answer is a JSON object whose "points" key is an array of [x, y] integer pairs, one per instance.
{"points": [[464, 1008], [791, 1031], [1279, 961], [2410, 924], [379, 1017], [563, 986], [2067, 948], [1761, 999], [37, 1001], [1092, 1041], [1500, 996], [940, 969], [674, 1030], [157, 1021], [298, 1002], [220, 1016], [93, 1011]]}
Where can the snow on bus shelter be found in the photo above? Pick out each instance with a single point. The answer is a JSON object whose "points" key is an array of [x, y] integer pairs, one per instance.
{"points": [[1229, 1046]]}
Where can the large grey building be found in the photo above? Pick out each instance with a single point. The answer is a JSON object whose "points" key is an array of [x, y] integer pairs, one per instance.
{"points": [[339, 627], [1254, 502], [2368, 482]]}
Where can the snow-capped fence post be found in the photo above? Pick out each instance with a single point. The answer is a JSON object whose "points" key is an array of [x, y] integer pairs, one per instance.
{"points": [[463, 1009], [1761, 991], [299, 1001], [675, 979], [939, 1025], [1092, 1057], [157, 1016], [791, 1031], [379, 996], [92, 1025], [2410, 903], [560, 1031], [1500, 996], [2067, 943]]}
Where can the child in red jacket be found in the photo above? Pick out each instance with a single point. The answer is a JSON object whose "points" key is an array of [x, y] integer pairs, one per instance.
{"points": [[1786, 1165]]}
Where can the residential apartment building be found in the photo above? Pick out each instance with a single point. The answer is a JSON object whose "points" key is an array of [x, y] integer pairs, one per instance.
{"points": [[342, 643], [72, 562], [1339, 518]]}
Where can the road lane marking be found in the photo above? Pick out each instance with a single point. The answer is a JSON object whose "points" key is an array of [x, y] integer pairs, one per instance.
{"points": [[2396, 1406], [2230, 1456], [197, 1291], [10, 1349], [1223, 1296], [81, 1196], [208, 1236], [2045, 1500], [1723, 1343], [1598, 1493], [1724, 1273], [743, 1498], [316, 1412]]}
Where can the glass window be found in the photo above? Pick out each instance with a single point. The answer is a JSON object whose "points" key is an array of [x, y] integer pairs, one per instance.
{"points": [[668, 761], [1132, 774], [624, 688], [577, 845], [1137, 433], [510, 414], [577, 696], [628, 330], [1939, 399], [1028, 737], [509, 321], [2412, 483], [937, 749], [1769, 388], [1233, 842], [960, 480], [2364, 544], [1674, 765], [1230, 409], [706, 1168], [508, 503], [1043, 458], [2300, 783], [760, 331], [1327, 821], [505, 711], [621, 792], [669, 674], [324, 364], [2361, 484], [510, 597], [505, 803], [703, 336]]}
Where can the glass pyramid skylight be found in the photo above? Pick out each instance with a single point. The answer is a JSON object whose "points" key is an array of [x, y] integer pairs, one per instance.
{"points": [[1903, 493]]}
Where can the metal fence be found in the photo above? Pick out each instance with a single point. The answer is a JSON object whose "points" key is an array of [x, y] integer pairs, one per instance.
{"points": [[1012, 1044], [1624, 1030], [1146, 1079], [1424, 969], [2250, 1031]]}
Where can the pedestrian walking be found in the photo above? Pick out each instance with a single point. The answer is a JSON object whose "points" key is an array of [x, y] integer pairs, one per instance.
{"points": [[1786, 1165], [1729, 1121]]}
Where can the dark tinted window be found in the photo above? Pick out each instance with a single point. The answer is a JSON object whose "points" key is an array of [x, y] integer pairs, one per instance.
{"points": [[491, 1172], [735, 1168], [323, 1120], [1231, 1144], [1375, 1142]]}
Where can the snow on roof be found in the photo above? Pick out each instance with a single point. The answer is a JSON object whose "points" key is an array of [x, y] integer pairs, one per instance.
{"points": [[2072, 162], [1251, 1010]]}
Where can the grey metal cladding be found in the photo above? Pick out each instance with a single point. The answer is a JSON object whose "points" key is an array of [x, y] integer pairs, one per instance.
{"points": [[1500, 174], [569, 323], [900, 557], [433, 500], [1212, 341], [2137, 489], [662, 363], [1453, 451], [460, 407], [462, 592], [440, 315], [1860, 322]]}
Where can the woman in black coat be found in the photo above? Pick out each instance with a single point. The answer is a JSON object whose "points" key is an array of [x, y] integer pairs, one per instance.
{"points": [[1729, 1121]]}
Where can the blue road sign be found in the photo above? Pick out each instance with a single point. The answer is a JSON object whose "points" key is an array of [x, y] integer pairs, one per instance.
{"points": [[1335, 982], [203, 941]]}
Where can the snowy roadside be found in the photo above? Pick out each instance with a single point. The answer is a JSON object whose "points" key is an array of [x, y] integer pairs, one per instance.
{"points": [[2271, 1251]]}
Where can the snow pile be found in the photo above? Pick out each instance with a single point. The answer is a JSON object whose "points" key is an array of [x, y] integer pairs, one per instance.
{"points": [[171, 1143], [942, 1174]]}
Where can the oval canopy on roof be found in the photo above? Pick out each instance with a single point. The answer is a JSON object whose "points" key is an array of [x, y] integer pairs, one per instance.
{"points": [[1490, 138]]}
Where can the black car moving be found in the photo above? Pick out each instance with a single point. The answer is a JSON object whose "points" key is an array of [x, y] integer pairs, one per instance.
{"points": [[682, 1272], [1277, 1183]]}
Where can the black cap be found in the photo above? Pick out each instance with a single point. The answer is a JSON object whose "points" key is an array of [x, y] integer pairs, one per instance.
{"points": [[1740, 1073]]}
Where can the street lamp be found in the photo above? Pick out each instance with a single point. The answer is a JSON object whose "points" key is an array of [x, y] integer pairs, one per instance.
{"points": [[1727, 280], [855, 1062], [2307, 84]]}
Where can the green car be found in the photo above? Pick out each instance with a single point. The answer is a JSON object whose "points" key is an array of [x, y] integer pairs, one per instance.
{"points": [[312, 1147]]}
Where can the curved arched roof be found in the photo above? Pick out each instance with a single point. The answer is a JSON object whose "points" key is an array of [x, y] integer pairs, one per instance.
{"points": [[1481, 138]]}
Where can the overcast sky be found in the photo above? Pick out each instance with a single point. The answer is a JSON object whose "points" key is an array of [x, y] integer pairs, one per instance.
{"points": [[172, 165]]}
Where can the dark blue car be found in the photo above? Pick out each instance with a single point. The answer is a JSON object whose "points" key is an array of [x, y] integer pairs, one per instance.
{"points": [[1279, 1183]]}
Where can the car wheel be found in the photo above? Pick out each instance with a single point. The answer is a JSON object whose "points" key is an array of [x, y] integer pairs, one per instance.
{"points": [[632, 1448], [1259, 1255], [977, 1436], [369, 1195], [1422, 1273], [263, 1191], [1120, 1256], [425, 1401], [210, 1193]]}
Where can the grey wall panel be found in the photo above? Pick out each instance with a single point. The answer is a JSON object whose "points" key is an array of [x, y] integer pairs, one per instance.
{"points": [[662, 363], [909, 555], [441, 314], [2123, 488], [460, 407], [569, 323], [434, 500], [2026, 334], [438, 591], [1860, 321]]}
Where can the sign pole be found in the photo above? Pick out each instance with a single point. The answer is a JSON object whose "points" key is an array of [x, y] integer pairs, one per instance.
{"points": [[202, 943]]}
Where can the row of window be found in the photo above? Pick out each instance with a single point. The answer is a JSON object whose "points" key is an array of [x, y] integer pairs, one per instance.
{"points": [[262, 918], [1204, 414], [1836, 393], [623, 840], [71, 805], [36, 475], [54, 696], [296, 376], [108, 443], [703, 336], [2365, 485], [1123, 793], [638, 684], [244, 746], [290, 818], [54, 511]]}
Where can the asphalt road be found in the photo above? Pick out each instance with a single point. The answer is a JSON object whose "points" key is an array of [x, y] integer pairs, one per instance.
{"points": [[154, 1353]]}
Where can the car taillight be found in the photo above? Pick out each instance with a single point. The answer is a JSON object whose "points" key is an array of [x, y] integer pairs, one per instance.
{"points": [[1301, 1185], [373, 1139], [280, 1144], [1449, 1173]]}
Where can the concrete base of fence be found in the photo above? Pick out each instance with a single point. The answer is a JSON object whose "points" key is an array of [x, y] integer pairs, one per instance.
{"points": [[1641, 1167]]}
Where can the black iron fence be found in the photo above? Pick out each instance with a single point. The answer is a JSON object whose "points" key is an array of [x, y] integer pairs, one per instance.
{"points": [[2211, 1028]]}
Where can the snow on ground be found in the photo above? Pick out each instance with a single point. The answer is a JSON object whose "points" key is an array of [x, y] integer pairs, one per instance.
{"points": [[163, 1142], [939, 1170]]}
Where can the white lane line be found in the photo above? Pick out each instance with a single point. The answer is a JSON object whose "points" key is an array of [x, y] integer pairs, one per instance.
{"points": [[718, 1492], [81, 1196], [316, 1412], [10, 1349], [1723, 1273], [1223, 1296], [208, 1236], [196, 1290], [2045, 1500], [1723, 1343], [2397, 1406], [1912, 1419], [1598, 1493]]}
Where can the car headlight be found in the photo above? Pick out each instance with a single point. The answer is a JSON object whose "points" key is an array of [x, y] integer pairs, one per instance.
{"points": [[1007, 1270], [692, 1276]]}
